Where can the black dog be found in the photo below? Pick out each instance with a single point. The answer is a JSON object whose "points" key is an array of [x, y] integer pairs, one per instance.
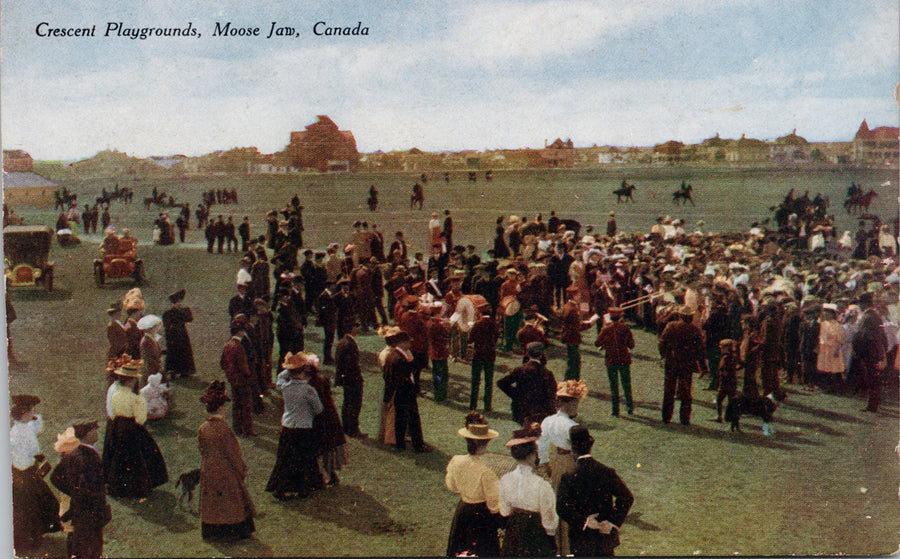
{"points": [[188, 482], [761, 406]]}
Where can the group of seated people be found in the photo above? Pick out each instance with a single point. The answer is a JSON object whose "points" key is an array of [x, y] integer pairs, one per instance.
{"points": [[114, 245]]}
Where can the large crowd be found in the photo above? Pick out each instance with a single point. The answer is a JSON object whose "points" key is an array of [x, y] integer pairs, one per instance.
{"points": [[747, 311]]}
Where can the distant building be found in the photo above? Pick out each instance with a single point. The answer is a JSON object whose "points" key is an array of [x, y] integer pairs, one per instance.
{"points": [[17, 161], [790, 149], [668, 153], [322, 146], [27, 188], [559, 154], [879, 146]]}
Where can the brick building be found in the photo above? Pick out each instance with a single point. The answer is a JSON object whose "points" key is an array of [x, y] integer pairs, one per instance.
{"points": [[879, 146], [322, 146], [17, 161]]}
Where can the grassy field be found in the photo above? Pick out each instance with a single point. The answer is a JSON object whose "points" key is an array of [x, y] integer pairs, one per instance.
{"points": [[826, 483]]}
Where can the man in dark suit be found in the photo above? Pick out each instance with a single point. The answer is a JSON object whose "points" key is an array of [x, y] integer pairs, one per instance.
{"points": [[234, 364], [79, 475], [327, 317], [242, 303], [483, 337], [348, 375], [593, 500], [531, 387], [399, 385]]}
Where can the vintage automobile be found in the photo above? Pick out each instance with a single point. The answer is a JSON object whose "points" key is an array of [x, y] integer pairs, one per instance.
{"points": [[119, 263], [26, 248]]}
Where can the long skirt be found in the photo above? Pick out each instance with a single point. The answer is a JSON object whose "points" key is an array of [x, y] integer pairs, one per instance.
{"points": [[228, 532], [35, 509], [525, 536], [333, 460], [474, 530], [296, 469], [132, 462]]}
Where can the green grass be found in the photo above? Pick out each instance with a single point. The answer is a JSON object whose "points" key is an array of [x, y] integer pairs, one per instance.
{"points": [[699, 490]]}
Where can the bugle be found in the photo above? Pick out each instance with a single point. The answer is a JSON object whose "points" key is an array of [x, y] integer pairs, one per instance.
{"points": [[639, 301]]}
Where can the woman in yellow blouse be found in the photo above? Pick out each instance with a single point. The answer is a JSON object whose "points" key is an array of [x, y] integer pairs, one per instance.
{"points": [[475, 523], [132, 462]]}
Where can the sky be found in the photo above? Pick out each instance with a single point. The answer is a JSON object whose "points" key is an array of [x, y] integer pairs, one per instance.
{"points": [[445, 76]]}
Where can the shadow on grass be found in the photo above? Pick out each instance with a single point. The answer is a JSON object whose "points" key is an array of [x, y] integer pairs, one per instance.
{"points": [[634, 519], [743, 438], [250, 547], [435, 460], [351, 508], [824, 414], [160, 508]]}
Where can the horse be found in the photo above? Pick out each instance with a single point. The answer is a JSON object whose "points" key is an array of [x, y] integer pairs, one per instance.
{"points": [[683, 195], [417, 196], [473, 176], [625, 192], [860, 202], [62, 199]]}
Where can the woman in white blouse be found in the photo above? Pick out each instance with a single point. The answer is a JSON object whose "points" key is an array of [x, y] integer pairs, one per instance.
{"points": [[527, 501], [35, 508]]}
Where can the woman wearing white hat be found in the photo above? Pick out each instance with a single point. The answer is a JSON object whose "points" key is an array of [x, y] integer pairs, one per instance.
{"points": [[475, 523], [151, 353], [832, 336]]}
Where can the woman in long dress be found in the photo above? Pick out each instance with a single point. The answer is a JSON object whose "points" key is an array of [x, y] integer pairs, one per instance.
{"points": [[332, 452], [386, 430], [226, 509], [179, 353], [527, 501], [296, 471], [477, 519], [132, 462], [35, 508]]}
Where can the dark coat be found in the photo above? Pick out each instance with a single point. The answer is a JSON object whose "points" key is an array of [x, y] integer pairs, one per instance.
{"points": [[234, 363], [327, 425], [79, 475], [592, 488], [241, 305], [398, 379], [681, 345], [483, 337], [347, 371], [118, 342], [532, 389], [616, 338], [179, 353], [133, 339]]}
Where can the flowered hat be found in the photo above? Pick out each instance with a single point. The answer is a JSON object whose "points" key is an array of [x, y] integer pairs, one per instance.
{"points": [[66, 441], [571, 389], [477, 428], [527, 434]]}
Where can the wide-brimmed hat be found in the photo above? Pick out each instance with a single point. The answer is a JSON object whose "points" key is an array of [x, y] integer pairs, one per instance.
{"points": [[130, 368], [477, 428], [294, 360], [177, 296], [148, 321], [25, 401], [411, 301], [114, 307], [243, 277], [133, 300], [215, 393], [571, 389], [527, 434], [829, 307], [615, 312], [239, 321], [535, 349], [686, 310], [66, 441]]}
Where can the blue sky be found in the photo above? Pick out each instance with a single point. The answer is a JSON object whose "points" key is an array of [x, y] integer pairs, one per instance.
{"points": [[446, 75]]}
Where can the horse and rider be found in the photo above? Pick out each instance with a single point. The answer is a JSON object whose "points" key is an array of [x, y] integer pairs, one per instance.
{"points": [[683, 195], [858, 200], [625, 191], [417, 196]]}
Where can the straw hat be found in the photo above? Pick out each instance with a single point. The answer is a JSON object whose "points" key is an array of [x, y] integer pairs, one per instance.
{"points": [[130, 368], [527, 434], [294, 360], [571, 389], [66, 441], [476, 428]]}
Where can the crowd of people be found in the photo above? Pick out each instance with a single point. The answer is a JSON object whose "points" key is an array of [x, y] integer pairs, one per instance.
{"points": [[747, 310]]}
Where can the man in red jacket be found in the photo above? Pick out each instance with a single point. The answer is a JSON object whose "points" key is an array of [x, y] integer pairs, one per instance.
{"points": [[483, 337], [415, 324], [572, 325], [681, 346], [617, 340], [237, 371], [438, 352]]}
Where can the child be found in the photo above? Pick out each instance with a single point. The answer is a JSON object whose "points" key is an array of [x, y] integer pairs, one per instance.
{"points": [[157, 395], [729, 363]]}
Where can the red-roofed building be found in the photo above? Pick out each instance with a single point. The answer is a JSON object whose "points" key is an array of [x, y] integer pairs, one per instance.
{"points": [[17, 161], [878, 147], [559, 154], [322, 146]]}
